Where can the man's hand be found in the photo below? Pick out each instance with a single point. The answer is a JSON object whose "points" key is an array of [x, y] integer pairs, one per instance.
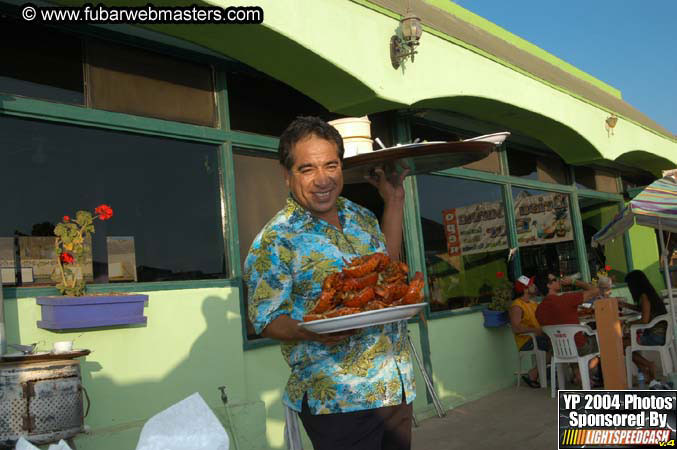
{"points": [[390, 187], [328, 338], [284, 328]]}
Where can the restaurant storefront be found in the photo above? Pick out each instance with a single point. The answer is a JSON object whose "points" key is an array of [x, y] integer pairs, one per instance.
{"points": [[176, 128]]}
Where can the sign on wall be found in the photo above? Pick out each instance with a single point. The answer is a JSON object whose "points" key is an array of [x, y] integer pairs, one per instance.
{"points": [[476, 228], [540, 219]]}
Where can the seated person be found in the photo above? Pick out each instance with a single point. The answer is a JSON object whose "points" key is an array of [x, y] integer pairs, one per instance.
{"points": [[562, 309], [523, 320], [651, 305]]}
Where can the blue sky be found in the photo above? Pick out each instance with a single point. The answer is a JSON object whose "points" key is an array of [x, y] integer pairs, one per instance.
{"points": [[629, 44]]}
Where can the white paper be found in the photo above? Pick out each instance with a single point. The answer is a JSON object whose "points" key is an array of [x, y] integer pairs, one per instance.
{"points": [[23, 444], [121, 258], [60, 446], [7, 275], [187, 425]]}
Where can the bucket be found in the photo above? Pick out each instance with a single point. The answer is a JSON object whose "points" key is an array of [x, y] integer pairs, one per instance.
{"points": [[494, 319], [356, 146], [353, 127]]}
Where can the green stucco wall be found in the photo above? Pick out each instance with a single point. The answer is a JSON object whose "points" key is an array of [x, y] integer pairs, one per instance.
{"points": [[193, 343], [645, 254], [470, 360]]}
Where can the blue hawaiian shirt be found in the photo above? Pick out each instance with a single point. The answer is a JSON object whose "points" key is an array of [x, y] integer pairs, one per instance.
{"points": [[284, 270]]}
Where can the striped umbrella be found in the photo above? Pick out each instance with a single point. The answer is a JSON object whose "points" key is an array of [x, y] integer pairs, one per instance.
{"points": [[655, 207]]}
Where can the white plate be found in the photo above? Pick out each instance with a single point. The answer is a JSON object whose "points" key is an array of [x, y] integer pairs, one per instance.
{"points": [[363, 320], [494, 138], [21, 354], [409, 146]]}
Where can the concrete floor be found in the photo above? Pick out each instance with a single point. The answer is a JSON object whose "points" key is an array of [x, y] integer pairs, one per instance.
{"points": [[524, 419]]}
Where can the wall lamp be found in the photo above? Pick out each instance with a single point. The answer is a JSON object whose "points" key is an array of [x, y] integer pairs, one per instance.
{"points": [[401, 48], [610, 123]]}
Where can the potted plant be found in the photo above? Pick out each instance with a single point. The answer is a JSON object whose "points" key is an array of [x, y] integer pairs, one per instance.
{"points": [[496, 313], [74, 309]]}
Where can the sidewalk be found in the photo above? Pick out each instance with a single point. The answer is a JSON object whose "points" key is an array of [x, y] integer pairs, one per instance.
{"points": [[524, 419]]}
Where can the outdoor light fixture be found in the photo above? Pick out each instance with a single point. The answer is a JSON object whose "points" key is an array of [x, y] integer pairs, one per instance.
{"points": [[610, 123], [403, 43]]}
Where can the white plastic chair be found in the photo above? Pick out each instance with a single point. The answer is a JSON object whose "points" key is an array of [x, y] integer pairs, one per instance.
{"points": [[666, 351], [564, 351], [539, 356]]}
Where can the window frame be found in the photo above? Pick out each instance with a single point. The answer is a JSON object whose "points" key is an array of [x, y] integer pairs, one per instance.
{"points": [[84, 116], [413, 233], [223, 136]]}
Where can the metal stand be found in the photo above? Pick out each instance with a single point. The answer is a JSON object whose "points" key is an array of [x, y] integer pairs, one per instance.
{"points": [[428, 382]]}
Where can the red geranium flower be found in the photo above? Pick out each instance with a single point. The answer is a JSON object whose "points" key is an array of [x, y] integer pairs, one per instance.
{"points": [[104, 212], [66, 218], [499, 274], [67, 258], [607, 267]]}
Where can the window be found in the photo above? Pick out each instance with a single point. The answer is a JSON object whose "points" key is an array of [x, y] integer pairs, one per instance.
{"points": [[261, 104], [545, 234], [428, 133], [40, 62], [165, 194], [634, 181], [599, 180], [595, 214], [133, 81], [260, 193], [465, 240], [536, 166]]}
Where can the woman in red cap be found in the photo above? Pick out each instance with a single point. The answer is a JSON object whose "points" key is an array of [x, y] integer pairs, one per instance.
{"points": [[523, 320]]}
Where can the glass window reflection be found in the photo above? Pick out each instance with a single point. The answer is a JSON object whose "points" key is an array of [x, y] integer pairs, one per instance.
{"points": [[610, 258], [545, 234], [465, 240], [165, 193]]}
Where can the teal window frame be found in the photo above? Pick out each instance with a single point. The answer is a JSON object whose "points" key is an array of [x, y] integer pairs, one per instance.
{"points": [[413, 233]]}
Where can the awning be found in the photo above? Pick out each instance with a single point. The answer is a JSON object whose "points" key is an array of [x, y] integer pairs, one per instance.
{"points": [[655, 207]]}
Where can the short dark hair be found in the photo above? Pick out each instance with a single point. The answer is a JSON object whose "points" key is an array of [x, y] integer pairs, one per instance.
{"points": [[302, 128]]}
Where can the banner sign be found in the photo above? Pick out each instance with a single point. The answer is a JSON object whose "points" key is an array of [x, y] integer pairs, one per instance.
{"points": [[540, 219], [450, 222], [616, 419], [476, 228]]}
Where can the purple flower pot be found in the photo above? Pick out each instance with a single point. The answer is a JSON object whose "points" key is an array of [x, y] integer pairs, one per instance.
{"points": [[494, 319], [64, 312]]}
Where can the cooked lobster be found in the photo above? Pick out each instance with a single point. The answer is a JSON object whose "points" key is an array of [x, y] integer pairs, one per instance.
{"points": [[366, 283]]}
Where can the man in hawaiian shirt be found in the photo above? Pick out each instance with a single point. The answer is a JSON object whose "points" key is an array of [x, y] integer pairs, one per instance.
{"points": [[352, 390]]}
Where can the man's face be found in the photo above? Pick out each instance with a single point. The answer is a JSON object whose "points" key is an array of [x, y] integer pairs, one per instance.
{"points": [[554, 283], [532, 290], [315, 179]]}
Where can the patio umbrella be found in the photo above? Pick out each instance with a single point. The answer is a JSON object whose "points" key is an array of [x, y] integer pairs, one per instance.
{"points": [[655, 207]]}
